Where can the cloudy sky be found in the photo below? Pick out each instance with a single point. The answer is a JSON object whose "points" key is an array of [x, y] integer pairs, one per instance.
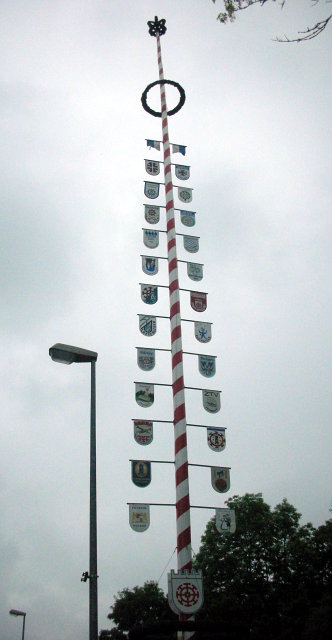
{"points": [[257, 125]]}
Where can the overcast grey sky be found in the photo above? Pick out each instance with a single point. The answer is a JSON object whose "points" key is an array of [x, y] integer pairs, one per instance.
{"points": [[257, 125]]}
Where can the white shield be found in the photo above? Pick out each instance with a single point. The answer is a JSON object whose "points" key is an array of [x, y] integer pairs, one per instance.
{"points": [[139, 516], [220, 479], [152, 167], [184, 194], [225, 520], [185, 591], [148, 325], [207, 365], [150, 238], [216, 438], [150, 265], [151, 189], [211, 400], [146, 358], [141, 472], [203, 331], [144, 394], [198, 300], [191, 243], [149, 295], [188, 218], [182, 172], [195, 271], [151, 214], [143, 431]]}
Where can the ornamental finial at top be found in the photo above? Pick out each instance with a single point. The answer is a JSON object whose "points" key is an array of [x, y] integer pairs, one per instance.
{"points": [[157, 27]]}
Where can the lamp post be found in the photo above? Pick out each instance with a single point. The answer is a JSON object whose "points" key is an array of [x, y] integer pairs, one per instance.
{"points": [[67, 354], [16, 613]]}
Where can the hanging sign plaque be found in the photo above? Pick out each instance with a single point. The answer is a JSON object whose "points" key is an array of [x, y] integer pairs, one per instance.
{"points": [[150, 238], [216, 438], [149, 295], [194, 271], [146, 359], [207, 365], [198, 300], [148, 325], [211, 400], [144, 394], [184, 194], [152, 167], [143, 431], [225, 520], [150, 265], [141, 472], [151, 189], [151, 214], [188, 218], [139, 517], [191, 243], [220, 479], [203, 331], [182, 172]]}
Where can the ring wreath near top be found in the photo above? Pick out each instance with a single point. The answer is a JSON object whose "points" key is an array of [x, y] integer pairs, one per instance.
{"points": [[157, 114]]}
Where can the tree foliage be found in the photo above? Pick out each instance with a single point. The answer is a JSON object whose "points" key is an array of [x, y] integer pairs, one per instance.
{"points": [[141, 604], [231, 7], [270, 580], [273, 575]]}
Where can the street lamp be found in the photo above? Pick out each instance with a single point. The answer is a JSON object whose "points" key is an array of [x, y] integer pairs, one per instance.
{"points": [[16, 613], [67, 354]]}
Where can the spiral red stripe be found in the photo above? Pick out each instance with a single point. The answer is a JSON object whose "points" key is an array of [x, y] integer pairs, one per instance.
{"points": [[176, 333]]}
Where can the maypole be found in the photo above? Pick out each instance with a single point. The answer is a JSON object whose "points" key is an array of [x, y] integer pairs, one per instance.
{"points": [[185, 588], [184, 559]]}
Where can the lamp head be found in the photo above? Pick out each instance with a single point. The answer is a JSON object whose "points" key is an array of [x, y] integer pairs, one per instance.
{"points": [[15, 612], [67, 354]]}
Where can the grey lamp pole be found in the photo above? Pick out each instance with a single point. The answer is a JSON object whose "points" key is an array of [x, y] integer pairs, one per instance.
{"points": [[16, 613], [67, 354]]}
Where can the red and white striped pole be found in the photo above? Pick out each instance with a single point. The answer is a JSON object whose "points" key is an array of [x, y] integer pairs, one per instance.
{"points": [[184, 558]]}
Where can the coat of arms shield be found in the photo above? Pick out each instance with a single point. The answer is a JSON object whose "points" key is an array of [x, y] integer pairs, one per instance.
{"points": [[152, 167], [150, 265], [146, 358], [211, 400], [188, 218], [194, 271], [148, 325], [151, 214], [151, 189], [198, 300], [143, 431], [185, 194], [207, 365], [185, 591], [182, 171], [144, 394], [220, 479], [203, 331], [216, 438], [141, 472], [139, 517], [150, 238], [225, 520], [191, 243], [149, 295]]}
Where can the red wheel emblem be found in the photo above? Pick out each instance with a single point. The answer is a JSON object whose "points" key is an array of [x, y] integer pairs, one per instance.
{"points": [[187, 594]]}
